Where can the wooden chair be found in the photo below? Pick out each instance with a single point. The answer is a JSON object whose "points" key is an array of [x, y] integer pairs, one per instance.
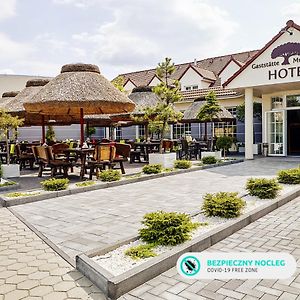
{"points": [[23, 156], [167, 145], [58, 150], [45, 158], [122, 155], [103, 157]]}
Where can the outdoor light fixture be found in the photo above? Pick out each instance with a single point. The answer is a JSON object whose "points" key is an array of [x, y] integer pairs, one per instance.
{"points": [[289, 30], [51, 121]]}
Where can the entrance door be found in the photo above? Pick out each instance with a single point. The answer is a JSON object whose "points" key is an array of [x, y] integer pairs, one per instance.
{"points": [[293, 131], [276, 124]]}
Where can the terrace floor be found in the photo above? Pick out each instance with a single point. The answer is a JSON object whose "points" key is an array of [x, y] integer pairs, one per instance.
{"points": [[29, 269]]}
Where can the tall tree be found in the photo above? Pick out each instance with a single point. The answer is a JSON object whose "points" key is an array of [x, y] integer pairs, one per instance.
{"points": [[209, 111], [168, 91], [118, 82]]}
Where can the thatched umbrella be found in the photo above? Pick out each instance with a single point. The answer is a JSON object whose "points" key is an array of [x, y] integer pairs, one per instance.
{"points": [[190, 114], [6, 98], [15, 106], [78, 89], [142, 97]]}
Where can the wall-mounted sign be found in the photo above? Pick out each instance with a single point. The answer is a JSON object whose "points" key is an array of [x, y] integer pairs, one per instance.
{"points": [[287, 51]]}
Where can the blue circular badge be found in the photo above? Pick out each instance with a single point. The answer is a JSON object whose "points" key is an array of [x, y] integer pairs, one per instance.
{"points": [[190, 265]]}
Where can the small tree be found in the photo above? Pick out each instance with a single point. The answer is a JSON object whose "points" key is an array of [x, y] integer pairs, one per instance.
{"points": [[224, 143], [8, 122], [168, 91], [50, 134], [209, 111]]}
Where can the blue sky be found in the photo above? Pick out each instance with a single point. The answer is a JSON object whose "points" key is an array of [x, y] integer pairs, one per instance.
{"points": [[38, 36]]}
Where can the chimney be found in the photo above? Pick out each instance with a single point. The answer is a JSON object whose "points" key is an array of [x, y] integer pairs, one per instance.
{"points": [[195, 62]]}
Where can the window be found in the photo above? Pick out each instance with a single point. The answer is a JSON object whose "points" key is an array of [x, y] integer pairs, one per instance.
{"points": [[277, 102], [232, 110], [293, 100], [119, 133], [191, 87], [180, 130], [225, 128], [141, 131]]}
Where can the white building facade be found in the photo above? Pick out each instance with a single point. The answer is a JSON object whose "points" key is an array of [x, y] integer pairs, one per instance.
{"points": [[273, 74]]}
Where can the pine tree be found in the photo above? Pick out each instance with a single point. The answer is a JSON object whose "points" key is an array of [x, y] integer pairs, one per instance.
{"points": [[209, 111]]}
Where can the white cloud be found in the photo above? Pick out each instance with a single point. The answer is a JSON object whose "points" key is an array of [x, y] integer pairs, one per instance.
{"points": [[12, 50], [292, 11], [77, 3], [142, 33], [7, 9], [7, 71]]}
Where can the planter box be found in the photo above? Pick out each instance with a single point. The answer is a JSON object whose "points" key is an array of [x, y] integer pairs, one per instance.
{"points": [[114, 286], [216, 154], [165, 159], [9, 171]]}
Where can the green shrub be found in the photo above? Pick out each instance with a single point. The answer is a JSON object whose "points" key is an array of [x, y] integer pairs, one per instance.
{"points": [[54, 184], [7, 183], [223, 204], [209, 160], [224, 143], [263, 188], [152, 169], [110, 175], [19, 194], [166, 228], [85, 183], [182, 164], [290, 176], [141, 251]]}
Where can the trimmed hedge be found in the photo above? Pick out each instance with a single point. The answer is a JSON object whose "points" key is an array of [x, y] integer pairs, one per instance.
{"points": [[182, 164], [110, 175], [263, 188], [289, 176], [55, 184], [153, 169], [209, 160], [223, 204], [167, 228]]}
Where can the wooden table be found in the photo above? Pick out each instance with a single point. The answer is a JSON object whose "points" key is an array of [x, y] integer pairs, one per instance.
{"points": [[146, 148], [81, 153]]}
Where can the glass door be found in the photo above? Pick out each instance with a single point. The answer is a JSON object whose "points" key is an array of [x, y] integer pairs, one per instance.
{"points": [[276, 124]]}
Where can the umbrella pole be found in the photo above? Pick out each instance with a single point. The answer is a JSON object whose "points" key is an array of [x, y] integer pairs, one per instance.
{"points": [[81, 127], [43, 130]]}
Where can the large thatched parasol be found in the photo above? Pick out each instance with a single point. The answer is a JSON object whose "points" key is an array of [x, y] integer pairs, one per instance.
{"points": [[6, 98], [190, 114], [80, 88], [142, 97], [15, 106]]}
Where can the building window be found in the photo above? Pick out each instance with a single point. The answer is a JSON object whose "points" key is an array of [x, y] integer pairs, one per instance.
{"points": [[232, 110], [118, 133], [191, 87], [180, 130], [277, 102], [141, 129], [293, 100], [225, 128]]}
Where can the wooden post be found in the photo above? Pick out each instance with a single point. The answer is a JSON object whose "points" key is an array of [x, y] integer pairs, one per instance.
{"points": [[81, 127], [43, 130]]}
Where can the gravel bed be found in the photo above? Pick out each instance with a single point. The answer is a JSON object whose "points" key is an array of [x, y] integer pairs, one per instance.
{"points": [[116, 262]]}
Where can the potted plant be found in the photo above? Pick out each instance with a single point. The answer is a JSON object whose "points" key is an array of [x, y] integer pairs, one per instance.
{"points": [[163, 113], [7, 123], [50, 135], [207, 113]]}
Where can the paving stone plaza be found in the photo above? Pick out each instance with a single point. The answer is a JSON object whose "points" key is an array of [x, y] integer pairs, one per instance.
{"points": [[30, 269]]}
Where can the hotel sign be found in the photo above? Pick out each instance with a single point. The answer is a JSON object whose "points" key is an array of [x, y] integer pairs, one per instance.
{"points": [[287, 51]]}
